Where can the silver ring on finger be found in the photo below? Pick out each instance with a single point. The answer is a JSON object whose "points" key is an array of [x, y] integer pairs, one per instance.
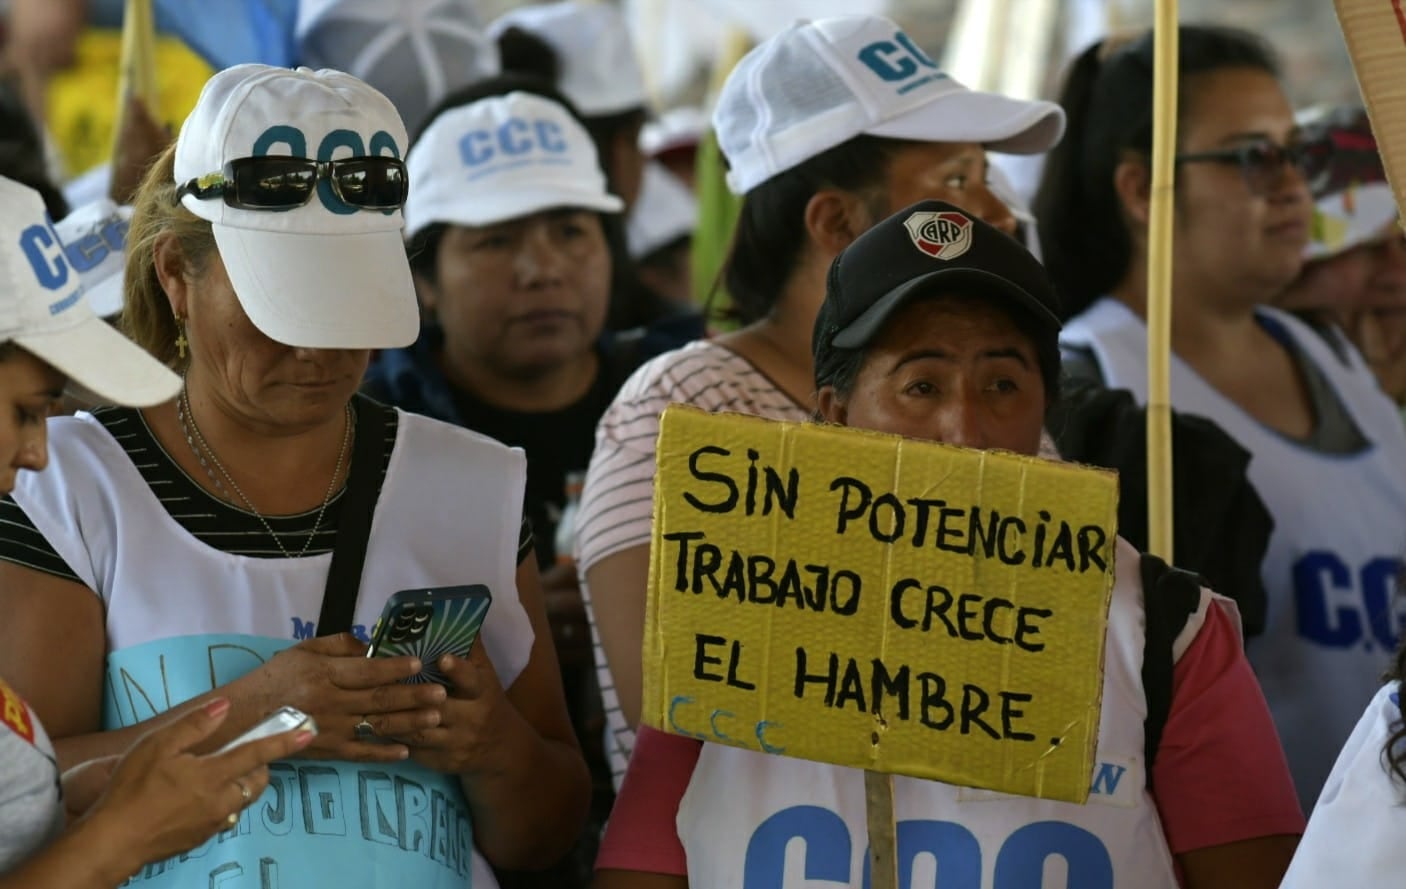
{"points": [[244, 791], [364, 730]]}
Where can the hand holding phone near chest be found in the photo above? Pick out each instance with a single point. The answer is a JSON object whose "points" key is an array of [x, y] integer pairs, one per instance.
{"points": [[430, 623]]}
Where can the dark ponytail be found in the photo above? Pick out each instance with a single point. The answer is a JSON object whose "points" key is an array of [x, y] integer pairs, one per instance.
{"points": [[771, 232], [1107, 97]]}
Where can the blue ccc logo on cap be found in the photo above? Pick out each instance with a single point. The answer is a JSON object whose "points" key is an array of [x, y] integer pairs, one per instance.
{"points": [[382, 143], [45, 253], [515, 139], [899, 59]]}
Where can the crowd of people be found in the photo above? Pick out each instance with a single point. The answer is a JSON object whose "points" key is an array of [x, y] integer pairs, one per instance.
{"points": [[408, 317]]}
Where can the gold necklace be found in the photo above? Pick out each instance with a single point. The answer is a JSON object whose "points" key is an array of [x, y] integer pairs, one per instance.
{"points": [[188, 425]]}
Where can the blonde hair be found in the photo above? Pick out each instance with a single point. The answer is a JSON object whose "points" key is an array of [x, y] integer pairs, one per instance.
{"points": [[146, 311]]}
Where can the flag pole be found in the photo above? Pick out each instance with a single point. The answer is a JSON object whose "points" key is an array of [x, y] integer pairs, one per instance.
{"points": [[1159, 281]]}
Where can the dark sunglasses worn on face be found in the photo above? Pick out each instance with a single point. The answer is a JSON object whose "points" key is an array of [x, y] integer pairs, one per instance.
{"points": [[1262, 163], [277, 182]]}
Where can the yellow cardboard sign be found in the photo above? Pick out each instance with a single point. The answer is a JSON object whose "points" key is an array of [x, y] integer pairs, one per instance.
{"points": [[877, 602]]}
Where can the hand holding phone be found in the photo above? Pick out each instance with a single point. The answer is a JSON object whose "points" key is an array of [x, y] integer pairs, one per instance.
{"points": [[430, 623], [284, 719]]}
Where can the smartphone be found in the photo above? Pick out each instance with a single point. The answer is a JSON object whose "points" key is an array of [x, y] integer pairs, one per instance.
{"points": [[430, 623], [285, 719]]}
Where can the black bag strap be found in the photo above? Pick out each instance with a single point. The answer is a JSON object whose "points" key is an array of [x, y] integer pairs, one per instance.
{"points": [[354, 524], [1169, 597]]}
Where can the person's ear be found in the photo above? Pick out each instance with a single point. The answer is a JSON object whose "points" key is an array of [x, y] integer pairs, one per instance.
{"points": [[173, 272], [1132, 180], [831, 406], [834, 218]]}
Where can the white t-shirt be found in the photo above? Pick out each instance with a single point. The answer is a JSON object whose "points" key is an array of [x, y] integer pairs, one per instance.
{"points": [[1355, 837], [617, 503]]}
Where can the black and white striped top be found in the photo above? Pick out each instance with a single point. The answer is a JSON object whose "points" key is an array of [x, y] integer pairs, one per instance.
{"points": [[211, 520]]}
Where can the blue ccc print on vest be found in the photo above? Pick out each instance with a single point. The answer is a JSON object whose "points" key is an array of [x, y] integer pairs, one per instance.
{"points": [[1338, 606], [382, 143], [1020, 861]]}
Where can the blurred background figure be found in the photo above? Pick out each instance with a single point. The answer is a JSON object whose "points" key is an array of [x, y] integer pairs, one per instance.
{"points": [[416, 52], [660, 235], [1353, 285], [585, 49], [672, 139]]}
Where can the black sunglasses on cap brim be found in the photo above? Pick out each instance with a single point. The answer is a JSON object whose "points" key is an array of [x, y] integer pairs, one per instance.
{"points": [[277, 182]]}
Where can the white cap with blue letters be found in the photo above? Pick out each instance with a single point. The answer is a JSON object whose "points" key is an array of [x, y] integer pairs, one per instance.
{"points": [[819, 84], [43, 310], [95, 242], [503, 158], [324, 275]]}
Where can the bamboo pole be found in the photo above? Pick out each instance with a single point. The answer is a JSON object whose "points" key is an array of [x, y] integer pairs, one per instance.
{"points": [[137, 71], [1159, 282]]}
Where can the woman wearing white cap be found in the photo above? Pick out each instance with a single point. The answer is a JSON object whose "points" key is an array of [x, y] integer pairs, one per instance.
{"points": [[507, 218], [161, 798], [827, 127], [221, 542]]}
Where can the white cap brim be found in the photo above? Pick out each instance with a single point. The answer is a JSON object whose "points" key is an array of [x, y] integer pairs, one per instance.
{"points": [[513, 204], [349, 290], [1000, 123], [102, 365]]}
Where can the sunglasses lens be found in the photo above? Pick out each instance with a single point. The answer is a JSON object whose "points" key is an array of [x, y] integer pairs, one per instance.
{"points": [[274, 183], [372, 183], [1263, 166]]}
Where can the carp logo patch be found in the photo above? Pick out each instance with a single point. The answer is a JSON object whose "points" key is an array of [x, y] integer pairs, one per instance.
{"points": [[945, 235]]}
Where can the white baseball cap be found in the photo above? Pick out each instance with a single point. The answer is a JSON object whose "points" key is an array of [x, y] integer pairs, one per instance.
{"points": [[665, 212], [600, 72], [681, 127], [1357, 215], [95, 243], [414, 51], [43, 310], [502, 158], [818, 84], [324, 275]]}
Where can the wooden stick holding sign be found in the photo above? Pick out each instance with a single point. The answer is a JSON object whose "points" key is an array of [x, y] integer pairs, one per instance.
{"points": [[892, 606], [883, 830], [1159, 281], [1375, 31]]}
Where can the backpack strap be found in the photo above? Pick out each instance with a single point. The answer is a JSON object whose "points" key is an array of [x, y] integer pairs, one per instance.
{"points": [[1169, 597]]}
